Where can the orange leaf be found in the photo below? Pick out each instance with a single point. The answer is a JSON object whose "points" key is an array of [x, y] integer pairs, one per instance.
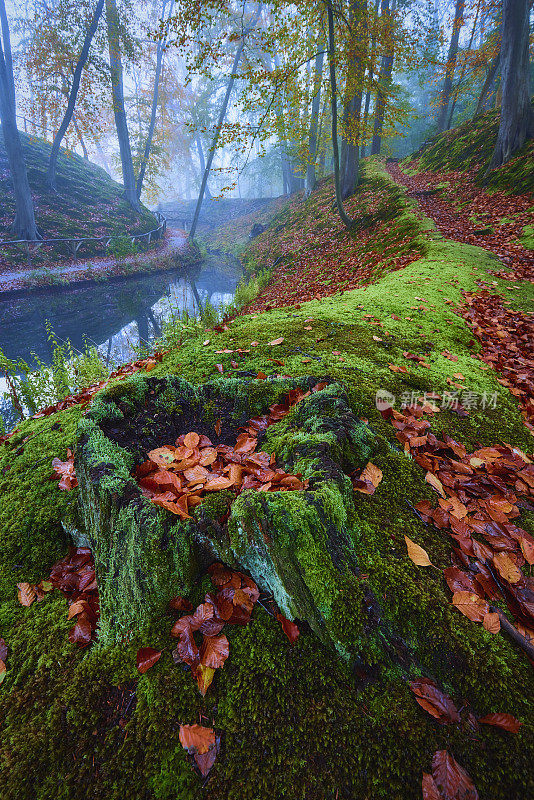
{"points": [[290, 629], [196, 738], [417, 554], [3, 669], [214, 651], [527, 548]]}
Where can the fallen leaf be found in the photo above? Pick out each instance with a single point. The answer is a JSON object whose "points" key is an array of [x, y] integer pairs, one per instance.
{"points": [[368, 480], [214, 651], [3, 670], [146, 658], [434, 701], [204, 677], [471, 605], [451, 779], [276, 341], [26, 594], [505, 721], [290, 629], [196, 738], [508, 569], [435, 483], [417, 554], [430, 790], [491, 622]]}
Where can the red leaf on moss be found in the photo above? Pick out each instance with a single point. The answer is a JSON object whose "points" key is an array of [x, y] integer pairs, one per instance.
{"points": [[290, 629], [505, 721], [434, 701], [146, 658]]}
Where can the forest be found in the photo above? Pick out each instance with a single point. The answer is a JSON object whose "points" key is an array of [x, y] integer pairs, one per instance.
{"points": [[266, 399]]}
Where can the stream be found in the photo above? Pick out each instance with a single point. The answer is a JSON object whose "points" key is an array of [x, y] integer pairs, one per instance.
{"points": [[117, 315]]}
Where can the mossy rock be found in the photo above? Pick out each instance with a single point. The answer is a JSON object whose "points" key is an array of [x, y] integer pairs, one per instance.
{"points": [[298, 545]]}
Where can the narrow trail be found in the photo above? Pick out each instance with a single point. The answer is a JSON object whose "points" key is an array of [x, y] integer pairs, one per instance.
{"points": [[91, 268], [506, 335], [467, 213]]}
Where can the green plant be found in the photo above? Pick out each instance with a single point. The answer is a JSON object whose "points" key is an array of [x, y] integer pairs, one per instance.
{"points": [[122, 246]]}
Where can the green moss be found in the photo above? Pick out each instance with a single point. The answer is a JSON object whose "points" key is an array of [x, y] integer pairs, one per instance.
{"points": [[527, 239]]}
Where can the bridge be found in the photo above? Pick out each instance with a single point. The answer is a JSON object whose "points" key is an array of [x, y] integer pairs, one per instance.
{"points": [[180, 213]]}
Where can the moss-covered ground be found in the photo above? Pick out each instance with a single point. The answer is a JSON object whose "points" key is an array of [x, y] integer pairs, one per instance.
{"points": [[88, 203], [470, 147], [297, 722]]}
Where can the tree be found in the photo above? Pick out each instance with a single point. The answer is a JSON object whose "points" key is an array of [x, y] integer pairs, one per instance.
{"points": [[121, 124], [24, 225], [517, 117], [451, 64], [357, 58], [68, 116], [162, 41], [333, 89], [314, 122], [222, 114], [384, 80]]}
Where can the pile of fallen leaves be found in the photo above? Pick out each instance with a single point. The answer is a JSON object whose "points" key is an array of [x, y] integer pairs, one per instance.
{"points": [[178, 476], [479, 496], [74, 575], [507, 339]]}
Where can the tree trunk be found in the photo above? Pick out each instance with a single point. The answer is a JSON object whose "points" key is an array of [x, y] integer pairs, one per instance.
{"points": [[220, 121], [517, 117], [386, 68], [24, 226], [347, 221], [370, 76], [152, 125], [451, 64], [353, 106], [311, 178], [464, 67], [198, 142], [115, 64], [82, 59], [490, 79]]}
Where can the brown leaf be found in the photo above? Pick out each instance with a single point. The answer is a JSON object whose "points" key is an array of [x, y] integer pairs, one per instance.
{"points": [[507, 568], [435, 483], [451, 779], [214, 651], [433, 700], [217, 483], [196, 738], [163, 456], [26, 594], [80, 634], [205, 761], [491, 622], [276, 341], [3, 650], [471, 605], [430, 790], [180, 603], [191, 440], [146, 658], [368, 480], [3, 670], [417, 554], [505, 721]]}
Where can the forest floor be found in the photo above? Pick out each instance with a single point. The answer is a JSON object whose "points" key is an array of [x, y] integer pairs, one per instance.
{"points": [[404, 307]]}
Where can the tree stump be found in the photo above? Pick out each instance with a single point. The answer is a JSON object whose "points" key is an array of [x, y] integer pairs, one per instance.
{"points": [[297, 545]]}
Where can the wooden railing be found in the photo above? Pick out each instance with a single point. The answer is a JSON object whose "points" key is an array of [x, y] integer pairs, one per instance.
{"points": [[73, 245]]}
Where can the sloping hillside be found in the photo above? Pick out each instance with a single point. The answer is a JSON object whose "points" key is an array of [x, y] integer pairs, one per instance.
{"points": [[470, 147], [88, 202]]}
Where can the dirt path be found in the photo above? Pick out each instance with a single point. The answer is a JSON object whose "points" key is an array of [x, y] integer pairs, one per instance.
{"points": [[466, 213], [89, 269]]}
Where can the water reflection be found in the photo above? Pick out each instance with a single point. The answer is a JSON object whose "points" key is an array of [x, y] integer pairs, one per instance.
{"points": [[117, 315]]}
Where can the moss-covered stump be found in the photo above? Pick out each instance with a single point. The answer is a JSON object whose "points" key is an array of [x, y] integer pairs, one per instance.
{"points": [[298, 545]]}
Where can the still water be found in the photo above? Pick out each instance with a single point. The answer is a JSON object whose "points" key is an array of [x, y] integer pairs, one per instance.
{"points": [[116, 315]]}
